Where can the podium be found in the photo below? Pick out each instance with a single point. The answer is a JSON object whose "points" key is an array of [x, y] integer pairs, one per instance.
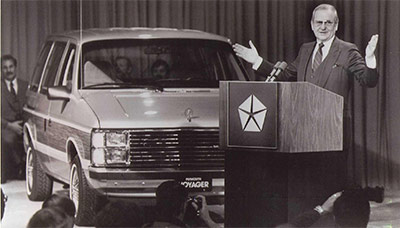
{"points": [[283, 147]]}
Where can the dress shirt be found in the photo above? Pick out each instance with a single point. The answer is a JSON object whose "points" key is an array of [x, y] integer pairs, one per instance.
{"points": [[15, 84]]}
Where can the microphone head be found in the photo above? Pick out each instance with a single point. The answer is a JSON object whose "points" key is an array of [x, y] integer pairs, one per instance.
{"points": [[277, 64], [283, 65]]}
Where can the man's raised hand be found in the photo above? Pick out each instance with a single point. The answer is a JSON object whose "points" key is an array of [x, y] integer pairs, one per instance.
{"points": [[248, 54], [371, 47]]}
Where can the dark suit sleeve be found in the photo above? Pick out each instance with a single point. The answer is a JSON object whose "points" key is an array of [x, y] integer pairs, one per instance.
{"points": [[357, 68], [306, 219]]}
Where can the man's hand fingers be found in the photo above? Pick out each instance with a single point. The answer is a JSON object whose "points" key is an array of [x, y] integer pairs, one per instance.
{"points": [[252, 46]]}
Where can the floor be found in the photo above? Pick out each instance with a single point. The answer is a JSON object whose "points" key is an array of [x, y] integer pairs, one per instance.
{"points": [[19, 209]]}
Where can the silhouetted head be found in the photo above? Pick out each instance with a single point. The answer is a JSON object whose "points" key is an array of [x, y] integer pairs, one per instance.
{"points": [[160, 69], [123, 64], [51, 217], [171, 197], [352, 208], [62, 202]]}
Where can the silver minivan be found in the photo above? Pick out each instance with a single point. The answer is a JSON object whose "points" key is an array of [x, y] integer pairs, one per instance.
{"points": [[115, 112]]}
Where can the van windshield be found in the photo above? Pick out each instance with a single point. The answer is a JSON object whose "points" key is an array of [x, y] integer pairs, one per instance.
{"points": [[158, 63]]}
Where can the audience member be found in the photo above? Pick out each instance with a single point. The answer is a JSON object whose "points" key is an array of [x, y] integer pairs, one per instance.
{"points": [[160, 69], [13, 99], [349, 208], [119, 214], [172, 204], [123, 68], [63, 202], [51, 217]]}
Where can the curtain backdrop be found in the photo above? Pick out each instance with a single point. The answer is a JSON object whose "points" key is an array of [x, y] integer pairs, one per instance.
{"points": [[277, 28]]}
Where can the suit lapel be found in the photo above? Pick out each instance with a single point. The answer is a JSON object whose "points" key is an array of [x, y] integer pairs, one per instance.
{"points": [[329, 62], [305, 60]]}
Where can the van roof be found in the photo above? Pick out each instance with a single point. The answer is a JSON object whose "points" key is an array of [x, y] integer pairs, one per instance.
{"points": [[86, 35]]}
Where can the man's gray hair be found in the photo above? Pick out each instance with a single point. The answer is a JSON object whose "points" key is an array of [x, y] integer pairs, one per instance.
{"points": [[326, 7]]}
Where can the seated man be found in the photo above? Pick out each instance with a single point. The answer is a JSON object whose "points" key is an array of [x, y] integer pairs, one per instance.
{"points": [[13, 99]]}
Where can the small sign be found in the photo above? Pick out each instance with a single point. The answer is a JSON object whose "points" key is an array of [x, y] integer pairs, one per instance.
{"points": [[197, 184]]}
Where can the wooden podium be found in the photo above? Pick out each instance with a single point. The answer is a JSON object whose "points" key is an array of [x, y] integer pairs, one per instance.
{"points": [[283, 144]]}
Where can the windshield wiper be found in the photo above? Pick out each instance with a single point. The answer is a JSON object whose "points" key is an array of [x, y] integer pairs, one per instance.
{"points": [[124, 85]]}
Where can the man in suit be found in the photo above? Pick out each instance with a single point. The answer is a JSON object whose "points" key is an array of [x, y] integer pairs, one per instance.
{"points": [[328, 62], [12, 100]]}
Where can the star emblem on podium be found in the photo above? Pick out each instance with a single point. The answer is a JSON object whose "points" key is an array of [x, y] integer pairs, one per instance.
{"points": [[252, 114]]}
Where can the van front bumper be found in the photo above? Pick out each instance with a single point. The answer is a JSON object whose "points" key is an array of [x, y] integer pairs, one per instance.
{"points": [[125, 182]]}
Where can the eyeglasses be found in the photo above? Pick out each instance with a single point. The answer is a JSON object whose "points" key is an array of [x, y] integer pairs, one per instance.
{"points": [[328, 24]]}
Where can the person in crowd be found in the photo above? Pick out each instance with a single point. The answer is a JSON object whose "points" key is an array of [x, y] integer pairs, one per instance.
{"points": [[172, 203], [120, 214], [51, 217], [63, 202], [123, 68], [349, 208], [13, 92], [3, 202], [160, 69], [328, 62]]}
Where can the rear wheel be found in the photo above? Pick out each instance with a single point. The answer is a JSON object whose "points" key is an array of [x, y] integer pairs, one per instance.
{"points": [[39, 186], [83, 196]]}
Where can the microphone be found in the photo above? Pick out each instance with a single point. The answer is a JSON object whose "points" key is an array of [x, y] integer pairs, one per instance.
{"points": [[281, 68], [273, 71]]}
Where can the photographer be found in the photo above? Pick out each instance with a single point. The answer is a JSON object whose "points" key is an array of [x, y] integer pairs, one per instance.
{"points": [[175, 209], [349, 208]]}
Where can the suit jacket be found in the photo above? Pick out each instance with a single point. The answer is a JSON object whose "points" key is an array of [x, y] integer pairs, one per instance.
{"points": [[336, 73], [10, 109]]}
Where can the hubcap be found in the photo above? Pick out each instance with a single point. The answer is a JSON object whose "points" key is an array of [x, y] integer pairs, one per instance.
{"points": [[74, 186], [29, 170]]}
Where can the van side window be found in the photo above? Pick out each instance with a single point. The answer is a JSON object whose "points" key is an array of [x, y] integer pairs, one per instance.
{"points": [[37, 74], [52, 66], [65, 78]]}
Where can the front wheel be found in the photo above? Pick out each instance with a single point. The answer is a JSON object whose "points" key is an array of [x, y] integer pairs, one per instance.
{"points": [[39, 186], [83, 196]]}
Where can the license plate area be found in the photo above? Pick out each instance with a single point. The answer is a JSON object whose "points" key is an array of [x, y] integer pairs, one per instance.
{"points": [[197, 184]]}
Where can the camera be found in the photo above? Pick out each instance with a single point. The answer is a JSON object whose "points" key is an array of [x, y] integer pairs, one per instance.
{"points": [[197, 201], [192, 213]]}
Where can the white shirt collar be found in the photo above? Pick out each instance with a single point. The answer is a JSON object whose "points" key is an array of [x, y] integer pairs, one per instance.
{"points": [[325, 49], [15, 84]]}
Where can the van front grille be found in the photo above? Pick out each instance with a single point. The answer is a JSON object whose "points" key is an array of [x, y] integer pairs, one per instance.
{"points": [[181, 148]]}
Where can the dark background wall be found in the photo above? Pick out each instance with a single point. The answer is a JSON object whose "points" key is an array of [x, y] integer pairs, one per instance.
{"points": [[277, 28]]}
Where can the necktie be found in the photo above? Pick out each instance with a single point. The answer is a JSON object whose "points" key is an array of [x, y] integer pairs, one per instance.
{"points": [[318, 57], [12, 89]]}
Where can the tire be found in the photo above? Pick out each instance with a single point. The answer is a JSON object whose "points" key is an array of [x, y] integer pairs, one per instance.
{"points": [[38, 184], [84, 197]]}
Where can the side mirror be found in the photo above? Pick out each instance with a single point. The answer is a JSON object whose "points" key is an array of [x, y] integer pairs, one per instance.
{"points": [[58, 93]]}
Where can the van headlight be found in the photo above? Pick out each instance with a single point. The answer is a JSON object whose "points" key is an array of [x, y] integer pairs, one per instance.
{"points": [[109, 148]]}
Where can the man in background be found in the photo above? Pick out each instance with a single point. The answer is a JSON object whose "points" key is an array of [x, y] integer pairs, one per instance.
{"points": [[12, 100]]}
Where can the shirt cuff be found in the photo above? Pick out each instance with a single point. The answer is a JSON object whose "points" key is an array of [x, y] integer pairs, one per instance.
{"points": [[370, 62], [258, 62]]}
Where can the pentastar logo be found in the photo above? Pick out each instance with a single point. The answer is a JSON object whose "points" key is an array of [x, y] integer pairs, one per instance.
{"points": [[252, 114]]}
